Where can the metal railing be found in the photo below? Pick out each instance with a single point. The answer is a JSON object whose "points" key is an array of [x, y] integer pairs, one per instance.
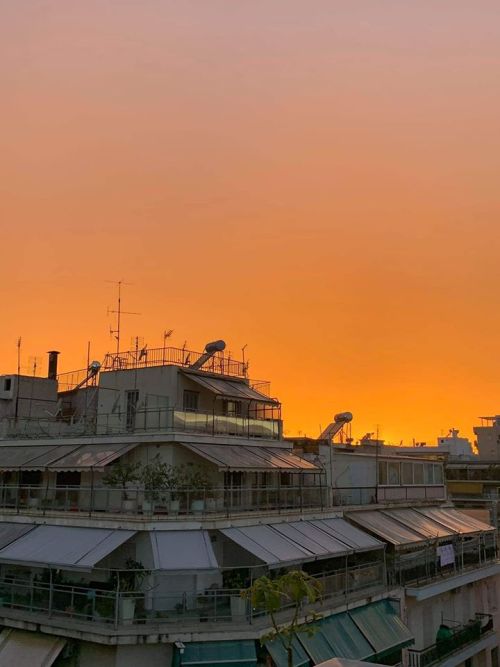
{"points": [[180, 503], [85, 604], [368, 495], [460, 636], [145, 420], [160, 356], [422, 567]]}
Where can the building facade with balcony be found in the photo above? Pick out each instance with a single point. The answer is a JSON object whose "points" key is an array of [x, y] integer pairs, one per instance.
{"points": [[136, 509]]}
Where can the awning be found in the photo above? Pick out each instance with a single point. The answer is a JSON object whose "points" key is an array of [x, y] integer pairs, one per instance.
{"points": [[267, 545], [367, 632], [424, 524], [280, 656], [220, 654], [182, 550], [351, 536], [385, 527], [336, 635], [381, 624], [64, 547], [455, 520], [28, 649], [291, 542], [239, 457], [92, 456], [9, 532], [31, 457], [234, 389], [61, 457]]}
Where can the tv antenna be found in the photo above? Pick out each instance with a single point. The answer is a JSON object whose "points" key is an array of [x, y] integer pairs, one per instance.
{"points": [[166, 335], [118, 312]]}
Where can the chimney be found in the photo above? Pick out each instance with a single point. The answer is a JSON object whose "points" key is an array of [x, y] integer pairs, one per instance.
{"points": [[52, 374]]}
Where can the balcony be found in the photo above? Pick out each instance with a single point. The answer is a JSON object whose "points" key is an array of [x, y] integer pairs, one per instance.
{"points": [[146, 420], [76, 605], [461, 636], [181, 504]]}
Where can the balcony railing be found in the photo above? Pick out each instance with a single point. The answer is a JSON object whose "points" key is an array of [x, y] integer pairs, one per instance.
{"points": [[168, 504], [368, 495], [153, 420], [422, 567], [460, 637], [84, 604]]}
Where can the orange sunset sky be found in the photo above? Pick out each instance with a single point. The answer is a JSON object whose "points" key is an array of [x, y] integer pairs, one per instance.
{"points": [[316, 179]]}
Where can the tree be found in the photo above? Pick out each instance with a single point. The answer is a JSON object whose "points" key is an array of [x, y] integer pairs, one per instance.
{"points": [[292, 589], [122, 474]]}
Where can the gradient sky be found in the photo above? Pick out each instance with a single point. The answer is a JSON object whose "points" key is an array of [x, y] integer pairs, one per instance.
{"points": [[318, 180]]}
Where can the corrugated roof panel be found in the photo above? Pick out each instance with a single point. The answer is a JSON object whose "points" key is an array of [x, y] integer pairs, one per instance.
{"points": [[182, 550], [385, 527], [64, 546], [348, 534]]}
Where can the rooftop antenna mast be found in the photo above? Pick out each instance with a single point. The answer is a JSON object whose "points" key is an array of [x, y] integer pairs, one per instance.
{"points": [[118, 312], [166, 334]]}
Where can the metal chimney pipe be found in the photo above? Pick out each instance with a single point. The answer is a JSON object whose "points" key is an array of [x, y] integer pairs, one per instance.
{"points": [[52, 374]]}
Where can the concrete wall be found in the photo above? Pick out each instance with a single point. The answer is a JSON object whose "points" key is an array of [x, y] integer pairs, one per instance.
{"points": [[37, 397]]}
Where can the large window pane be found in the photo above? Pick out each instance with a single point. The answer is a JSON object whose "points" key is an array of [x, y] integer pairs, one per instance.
{"points": [[407, 472], [393, 472], [382, 473], [418, 473]]}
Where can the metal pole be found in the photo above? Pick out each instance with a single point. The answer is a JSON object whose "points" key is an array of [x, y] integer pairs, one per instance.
{"points": [[117, 598]]}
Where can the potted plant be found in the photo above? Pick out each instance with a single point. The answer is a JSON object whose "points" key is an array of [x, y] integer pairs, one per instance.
{"points": [[120, 476], [198, 483], [154, 477], [127, 583], [236, 581]]}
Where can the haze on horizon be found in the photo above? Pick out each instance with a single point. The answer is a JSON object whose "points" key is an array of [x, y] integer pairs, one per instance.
{"points": [[318, 181]]}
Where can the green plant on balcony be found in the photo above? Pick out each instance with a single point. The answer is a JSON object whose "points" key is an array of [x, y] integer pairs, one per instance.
{"points": [[196, 479], [155, 476], [292, 589], [121, 475]]}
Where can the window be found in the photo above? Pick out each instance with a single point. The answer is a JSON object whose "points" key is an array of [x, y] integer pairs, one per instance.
{"points": [[428, 473], [393, 469], [407, 473], [132, 400], [68, 478], [232, 408], [31, 478], [438, 474], [285, 479], [7, 384], [190, 400], [382, 473], [418, 473]]}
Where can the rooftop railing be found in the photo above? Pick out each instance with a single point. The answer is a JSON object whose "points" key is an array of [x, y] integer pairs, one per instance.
{"points": [[180, 504], [220, 363], [112, 608], [460, 636]]}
